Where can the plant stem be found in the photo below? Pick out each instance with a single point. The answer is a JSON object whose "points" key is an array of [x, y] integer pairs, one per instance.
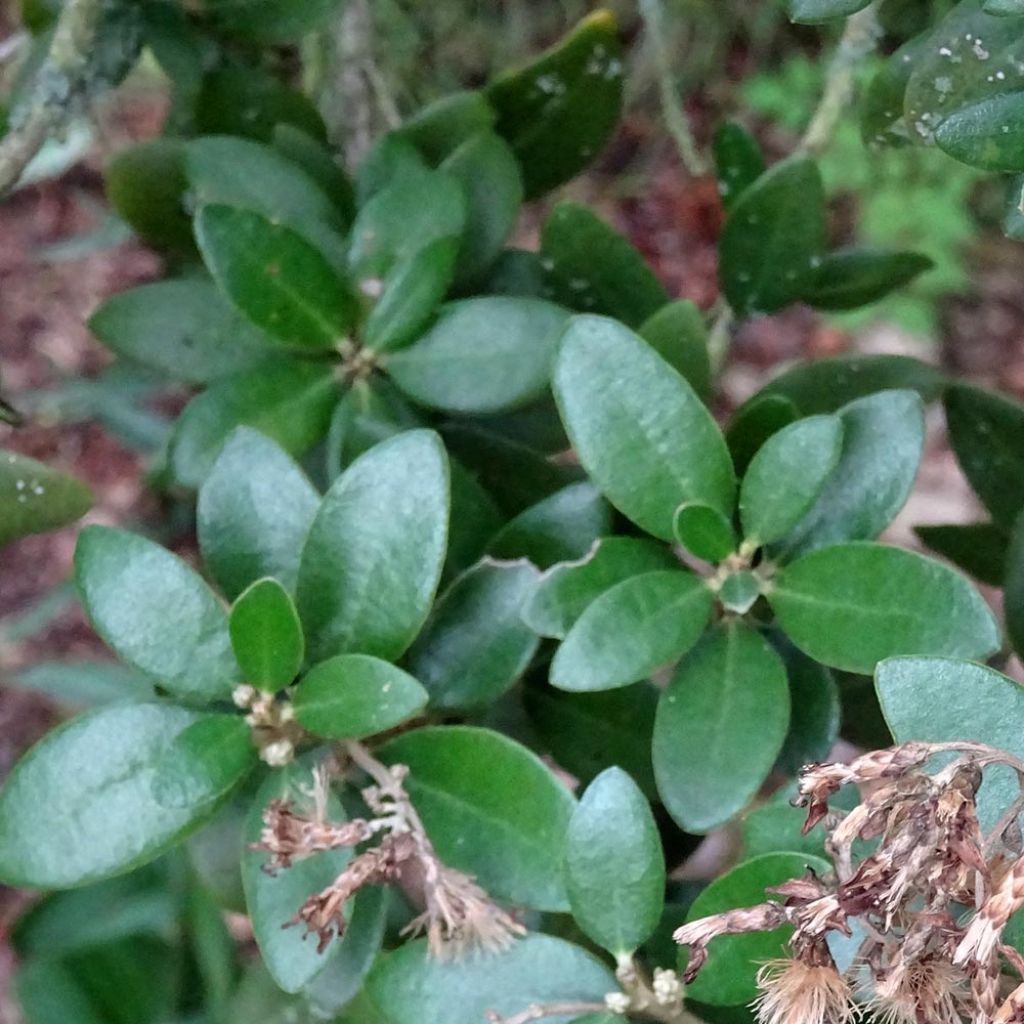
{"points": [[47, 110], [859, 38], [720, 336], [653, 15]]}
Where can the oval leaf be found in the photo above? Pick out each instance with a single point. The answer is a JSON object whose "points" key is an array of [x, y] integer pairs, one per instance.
{"points": [[704, 531], [266, 635], [855, 277], [35, 498]]}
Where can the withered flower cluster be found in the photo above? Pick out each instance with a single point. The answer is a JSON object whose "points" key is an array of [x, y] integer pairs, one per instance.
{"points": [[929, 904], [457, 915]]}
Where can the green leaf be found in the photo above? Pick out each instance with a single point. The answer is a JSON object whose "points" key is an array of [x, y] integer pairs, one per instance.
{"points": [[442, 126], [851, 605], [410, 986], [775, 826], [254, 511], [615, 870], [729, 976], [814, 711], [591, 268], [1013, 594], [986, 134], [704, 531], [855, 277], [980, 549], [85, 684], [1003, 7], [755, 422], [318, 162], [289, 402], [410, 295], [881, 106], [739, 161], [883, 436], [374, 554], [204, 762], [273, 900], [558, 111], [475, 518], [354, 695], [586, 733], [79, 806], [632, 629], [558, 528], [276, 278], [639, 429], [787, 475], [266, 635], [985, 431], [810, 12], [678, 334], [773, 238], [390, 160], [720, 726], [491, 808], [184, 329], [155, 613], [487, 169], [475, 644], [269, 21], [35, 498], [566, 590], [739, 591], [483, 355]]}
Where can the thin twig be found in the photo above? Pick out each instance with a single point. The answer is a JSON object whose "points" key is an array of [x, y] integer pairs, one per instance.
{"points": [[720, 336]]}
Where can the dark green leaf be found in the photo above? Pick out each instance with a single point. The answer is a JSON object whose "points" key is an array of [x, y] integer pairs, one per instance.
{"points": [[266, 635], [79, 806], [729, 977], [787, 475], [720, 726], [755, 422], [516, 272], [810, 12], [289, 402], [881, 106], [814, 711], [591, 268], [410, 986], [615, 870], [775, 826], [475, 518], [389, 161], [739, 161], [979, 549], [354, 695], [183, 328], [491, 808], [631, 630], [155, 613], [678, 334], [444, 125], [483, 355], [986, 134], [1013, 595], [374, 554], [475, 645], [985, 430], [704, 531], [320, 165], [35, 498], [773, 238], [639, 429], [255, 509], [854, 277], [559, 111], [269, 21], [851, 605], [259, 1000], [204, 762]]}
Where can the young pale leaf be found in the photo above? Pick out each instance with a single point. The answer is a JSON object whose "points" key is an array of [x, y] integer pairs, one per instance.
{"points": [[704, 531], [980, 549], [851, 605], [204, 762], [289, 402], [184, 329], [35, 498], [772, 239], [266, 635], [354, 695], [276, 278], [632, 629], [810, 12], [729, 976], [615, 869], [640, 430], [255, 509], [483, 355], [411, 986], [79, 806], [985, 430], [883, 436], [442, 126], [491, 808], [787, 475], [375, 551], [272, 900], [559, 528], [855, 277], [565, 591], [558, 112], [155, 613], [739, 161], [678, 334], [475, 644], [720, 726], [755, 422], [591, 268]]}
